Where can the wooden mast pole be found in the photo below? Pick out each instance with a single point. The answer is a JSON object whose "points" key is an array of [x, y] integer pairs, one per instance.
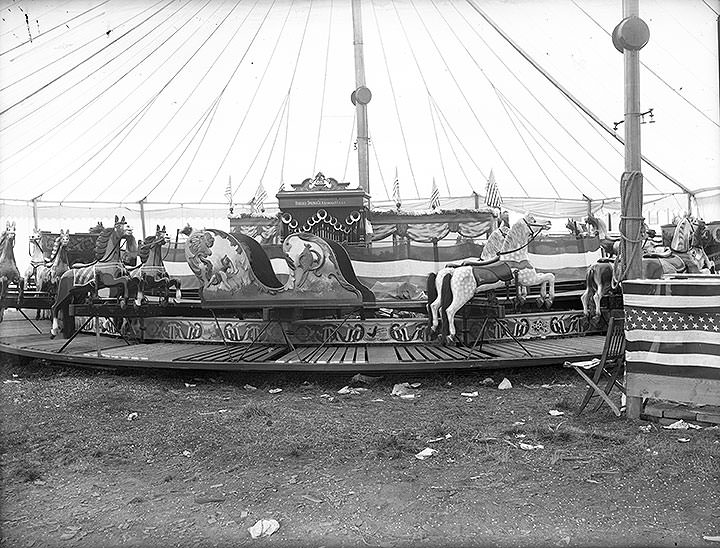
{"points": [[360, 98], [629, 37]]}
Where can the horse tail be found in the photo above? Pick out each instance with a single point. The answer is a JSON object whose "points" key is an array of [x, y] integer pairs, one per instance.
{"points": [[431, 292], [445, 300], [590, 289]]}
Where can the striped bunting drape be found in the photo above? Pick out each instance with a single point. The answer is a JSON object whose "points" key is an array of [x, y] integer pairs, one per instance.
{"points": [[673, 327]]}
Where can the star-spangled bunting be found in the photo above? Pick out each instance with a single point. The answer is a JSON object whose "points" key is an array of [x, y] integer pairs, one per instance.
{"points": [[666, 320], [492, 194], [396, 190], [258, 202], [434, 196]]}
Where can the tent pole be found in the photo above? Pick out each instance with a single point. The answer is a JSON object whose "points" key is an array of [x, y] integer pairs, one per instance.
{"points": [[632, 180], [142, 216], [361, 98], [35, 213]]}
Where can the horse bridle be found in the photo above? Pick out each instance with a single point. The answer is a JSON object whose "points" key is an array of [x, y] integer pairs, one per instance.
{"points": [[534, 235]]}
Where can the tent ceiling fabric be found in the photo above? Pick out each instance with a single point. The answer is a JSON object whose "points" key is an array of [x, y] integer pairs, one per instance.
{"points": [[166, 101]]}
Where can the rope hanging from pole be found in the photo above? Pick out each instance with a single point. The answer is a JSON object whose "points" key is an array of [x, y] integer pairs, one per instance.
{"points": [[628, 183]]}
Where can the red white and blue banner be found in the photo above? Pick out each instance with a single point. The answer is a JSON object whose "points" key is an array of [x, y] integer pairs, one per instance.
{"points": [[673, 327]]}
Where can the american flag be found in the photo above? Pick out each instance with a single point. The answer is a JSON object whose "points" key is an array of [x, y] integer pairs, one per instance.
{"points": [[434, 196], [492, 194], [258, 201], [673, 327], [228, 191], [396, 190]]}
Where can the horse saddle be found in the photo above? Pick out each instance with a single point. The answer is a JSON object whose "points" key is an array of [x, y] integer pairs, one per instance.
{"points": [[658, 253], [473, 262], [493, 272]]}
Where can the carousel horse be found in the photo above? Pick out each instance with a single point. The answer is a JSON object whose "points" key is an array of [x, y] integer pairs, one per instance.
{"points": [[107, 271], [597, 227], [37, 259], [151, 273], [465, 282], [685, 254], [9, 272], [435, 281], [48, 273]]}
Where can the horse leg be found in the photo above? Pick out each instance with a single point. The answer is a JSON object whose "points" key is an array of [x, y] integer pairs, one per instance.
{"points": [[3, 290], [432, 296], [590, 289], [140, 291], [463, 288], [550, 295], [178, 291], [446, 297]]}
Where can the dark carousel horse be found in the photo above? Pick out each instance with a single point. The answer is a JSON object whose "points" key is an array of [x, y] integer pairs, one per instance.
{"points": [[107, 271], [685, 254], [151, 274], [9, 272]]}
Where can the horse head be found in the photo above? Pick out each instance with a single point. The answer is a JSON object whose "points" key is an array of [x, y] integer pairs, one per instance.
{"points": [[64, 237], [161, 235], [572, 226]]}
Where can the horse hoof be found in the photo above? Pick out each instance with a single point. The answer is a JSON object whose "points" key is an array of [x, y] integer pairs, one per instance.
{"points": [[548, 304]]}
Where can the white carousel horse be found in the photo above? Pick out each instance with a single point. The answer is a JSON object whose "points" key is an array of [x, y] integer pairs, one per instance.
{"points": [[466, 281], [435, 281], [47, 272], [514, 251]]}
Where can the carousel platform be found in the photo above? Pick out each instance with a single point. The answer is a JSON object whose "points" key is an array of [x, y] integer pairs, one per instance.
{"points": [[19, 336]]}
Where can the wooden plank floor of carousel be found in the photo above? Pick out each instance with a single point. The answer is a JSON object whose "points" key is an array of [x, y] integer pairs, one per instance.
{"points": [[19, 336]]}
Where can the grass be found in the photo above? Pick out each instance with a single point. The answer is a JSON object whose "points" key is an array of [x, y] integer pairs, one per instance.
{"points": [[71, 425]]}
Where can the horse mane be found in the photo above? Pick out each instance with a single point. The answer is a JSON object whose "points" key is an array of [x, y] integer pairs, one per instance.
{"points": [[55, 249], [146, 245], [102, 242], [513, 239], [598, 224]]}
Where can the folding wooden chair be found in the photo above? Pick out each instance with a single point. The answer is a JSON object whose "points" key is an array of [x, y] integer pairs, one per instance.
{"points": [[608, 368]]}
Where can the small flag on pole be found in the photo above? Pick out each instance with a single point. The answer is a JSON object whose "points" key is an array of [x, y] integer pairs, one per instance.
{"points": [[396, 191], [492, 194], [434, 196], [228, 191], [258, 201]]}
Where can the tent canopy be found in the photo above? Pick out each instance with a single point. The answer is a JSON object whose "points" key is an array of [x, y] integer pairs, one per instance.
{"points": [[170, 102]]}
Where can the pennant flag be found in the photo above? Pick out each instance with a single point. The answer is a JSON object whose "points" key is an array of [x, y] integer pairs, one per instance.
{"points": [[396, 190], [492, 194], [434, 196], [258, 201], [228, 191]]}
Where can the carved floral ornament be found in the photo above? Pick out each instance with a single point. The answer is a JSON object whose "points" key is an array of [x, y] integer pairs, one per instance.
{"points": [[319, 183]]}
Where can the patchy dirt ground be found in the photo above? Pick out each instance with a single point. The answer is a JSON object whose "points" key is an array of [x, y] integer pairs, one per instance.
{"points": [[204, 458]]}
